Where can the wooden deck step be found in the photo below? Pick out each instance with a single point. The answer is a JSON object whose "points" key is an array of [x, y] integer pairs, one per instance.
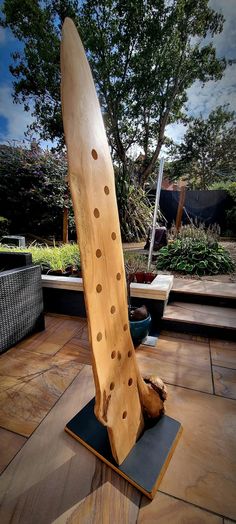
{"points": [[203, 319]]}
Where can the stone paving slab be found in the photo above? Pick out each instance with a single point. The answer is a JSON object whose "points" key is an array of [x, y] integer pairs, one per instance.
{"points": [[224, 381], [201, 471], [223, 353], [180, 362], [204, 287]]}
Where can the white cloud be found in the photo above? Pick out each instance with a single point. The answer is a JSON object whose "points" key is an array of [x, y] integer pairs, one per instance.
{"points": [[205, 99], [176, 131], [202, 100], [225, 41]]}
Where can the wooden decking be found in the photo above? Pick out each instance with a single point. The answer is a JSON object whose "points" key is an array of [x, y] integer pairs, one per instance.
{"points": [[50, 478]]}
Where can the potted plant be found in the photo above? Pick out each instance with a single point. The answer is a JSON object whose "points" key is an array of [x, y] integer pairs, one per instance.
{"points": [[139, 317]]}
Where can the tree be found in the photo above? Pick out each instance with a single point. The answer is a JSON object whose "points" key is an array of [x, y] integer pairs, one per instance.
{"points": [[144, 55], [208, 151], [32, 190]]}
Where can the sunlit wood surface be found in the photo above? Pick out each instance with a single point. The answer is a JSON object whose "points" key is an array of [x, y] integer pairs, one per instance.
{"points": [[121, 394], [51, 478]]}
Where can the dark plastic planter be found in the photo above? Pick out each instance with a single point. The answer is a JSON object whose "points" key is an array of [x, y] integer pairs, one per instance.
{"points": [[149, 277], [139, 329], [139, 277], [143, 277]]}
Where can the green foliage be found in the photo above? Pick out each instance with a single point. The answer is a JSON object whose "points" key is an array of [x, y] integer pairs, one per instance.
{"points": [[134, 262], [144, 55], [135, 210], [52, 257], [208, 151], [33, 190], [230, 187], [195, 257], [231, 221], [196, 232], [4, 226]]}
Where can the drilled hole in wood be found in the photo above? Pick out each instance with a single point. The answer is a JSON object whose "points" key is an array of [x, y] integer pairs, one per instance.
{"points": [[112, 309], [113, 354], [129, 353], [99, 288], [118, 276], [113, 236], [119, 355], [112, 385], [106, 190], [130, 382], [96, 213], [125, 327], [99, 336], [94, 154], [98, 253], [124, 415]]}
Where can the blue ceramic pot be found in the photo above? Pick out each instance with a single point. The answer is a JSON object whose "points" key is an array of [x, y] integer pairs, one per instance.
{"points": [[139, 329]]}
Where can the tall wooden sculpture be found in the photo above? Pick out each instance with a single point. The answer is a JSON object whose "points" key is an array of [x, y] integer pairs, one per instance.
{"points": [[123, 399]]}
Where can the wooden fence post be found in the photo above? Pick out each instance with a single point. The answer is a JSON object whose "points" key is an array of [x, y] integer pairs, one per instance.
{"points": [[180, 208]]}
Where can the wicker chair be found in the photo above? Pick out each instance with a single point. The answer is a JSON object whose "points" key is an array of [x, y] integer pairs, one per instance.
{"points": [[21, 305]]}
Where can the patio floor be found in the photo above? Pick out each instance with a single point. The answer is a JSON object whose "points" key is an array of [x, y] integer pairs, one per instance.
{"points": [[51, 478]]}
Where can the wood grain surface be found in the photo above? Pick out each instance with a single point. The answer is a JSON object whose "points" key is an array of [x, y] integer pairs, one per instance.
{"points": [[120, 390]]}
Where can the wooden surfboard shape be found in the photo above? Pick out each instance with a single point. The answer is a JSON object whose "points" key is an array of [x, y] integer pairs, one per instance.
{"points": [[120, 389]]}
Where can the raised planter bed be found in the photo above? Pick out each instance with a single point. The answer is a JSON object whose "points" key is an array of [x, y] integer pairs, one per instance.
{"points": [[65, 295]]}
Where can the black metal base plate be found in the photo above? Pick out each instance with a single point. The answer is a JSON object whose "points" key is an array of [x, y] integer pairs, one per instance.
{"points": [[146, 463]]}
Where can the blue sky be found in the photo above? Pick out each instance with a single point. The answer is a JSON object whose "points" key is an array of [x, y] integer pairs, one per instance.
{"points": [[14, 120]]}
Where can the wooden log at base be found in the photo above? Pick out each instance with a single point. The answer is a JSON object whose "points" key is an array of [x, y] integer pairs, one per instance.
{"points": [[122, 397]]}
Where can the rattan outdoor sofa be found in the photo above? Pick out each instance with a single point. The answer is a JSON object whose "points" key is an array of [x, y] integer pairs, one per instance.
{"points": [[21, 305]]}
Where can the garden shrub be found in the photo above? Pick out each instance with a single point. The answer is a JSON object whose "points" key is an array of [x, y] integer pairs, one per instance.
{"points": [[4, 226], [58, 257], [196, 231], [230, 187], [195, 257], [135, 210], [231, 221], [33, 191], [33, 194]]}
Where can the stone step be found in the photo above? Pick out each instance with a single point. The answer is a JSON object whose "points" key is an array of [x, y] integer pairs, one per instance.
{"points": [[205, 287], [204, 292], [205, 320]]}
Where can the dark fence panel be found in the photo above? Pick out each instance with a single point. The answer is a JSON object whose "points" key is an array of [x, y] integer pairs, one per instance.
{"points": [[206, 206]]}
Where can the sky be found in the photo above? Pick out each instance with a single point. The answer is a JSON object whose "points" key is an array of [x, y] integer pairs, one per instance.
{"points": [[201, 100]]}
